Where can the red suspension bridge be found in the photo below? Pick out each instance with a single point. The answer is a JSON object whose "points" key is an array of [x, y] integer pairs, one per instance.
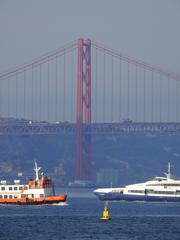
{"points": [[87, 88]]}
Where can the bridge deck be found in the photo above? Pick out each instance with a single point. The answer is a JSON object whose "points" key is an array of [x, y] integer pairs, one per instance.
{"points": [[41, 128]]}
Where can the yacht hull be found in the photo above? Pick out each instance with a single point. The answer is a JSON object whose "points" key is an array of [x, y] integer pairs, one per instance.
{"points": [[129, 197]]}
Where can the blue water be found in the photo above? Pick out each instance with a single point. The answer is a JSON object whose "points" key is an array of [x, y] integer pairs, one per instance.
{"points": [[79, 219]]}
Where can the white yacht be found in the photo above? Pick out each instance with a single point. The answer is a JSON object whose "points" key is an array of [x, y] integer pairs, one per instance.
{"points": [[158, 189]]}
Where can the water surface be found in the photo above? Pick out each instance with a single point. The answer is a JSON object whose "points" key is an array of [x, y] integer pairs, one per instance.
{"points": [[79, 219]]}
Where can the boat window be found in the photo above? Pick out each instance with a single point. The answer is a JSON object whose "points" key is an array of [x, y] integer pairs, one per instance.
{"points": [[5, 196], [1, 196], [164, 192], [172, 184], [25, 188], [136, 191], [150, 185], [15, 196], [15, 188], [2, 188], [165, 185], [10, 189], [20, 188], [41, 195], [159, 179], [10, 196], [117, 191]]}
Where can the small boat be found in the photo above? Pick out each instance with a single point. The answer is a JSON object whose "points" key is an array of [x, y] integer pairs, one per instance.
{"points": [[38, 191], [157, 189]]}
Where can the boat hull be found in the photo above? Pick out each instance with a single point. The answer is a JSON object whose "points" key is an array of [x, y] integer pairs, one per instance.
{"points": [[35, 201], [129, 197]]}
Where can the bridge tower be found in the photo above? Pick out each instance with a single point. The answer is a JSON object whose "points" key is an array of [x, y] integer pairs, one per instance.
{"points": [[83, 111]]}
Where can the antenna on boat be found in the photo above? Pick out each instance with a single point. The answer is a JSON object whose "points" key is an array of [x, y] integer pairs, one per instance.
{"points": [[36, 169], [168, 174]]}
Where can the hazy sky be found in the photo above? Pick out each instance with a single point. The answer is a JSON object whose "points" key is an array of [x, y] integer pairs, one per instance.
{"points": [[145, 29]]}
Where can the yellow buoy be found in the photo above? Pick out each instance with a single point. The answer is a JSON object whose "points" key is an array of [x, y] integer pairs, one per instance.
{"points": [[105, 215]]}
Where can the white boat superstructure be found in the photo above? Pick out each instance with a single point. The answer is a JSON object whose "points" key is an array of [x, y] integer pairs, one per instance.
{"points": [[158, 189]]}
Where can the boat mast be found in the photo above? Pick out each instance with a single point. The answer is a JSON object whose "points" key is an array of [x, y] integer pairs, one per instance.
{"points": [[37, 169]]}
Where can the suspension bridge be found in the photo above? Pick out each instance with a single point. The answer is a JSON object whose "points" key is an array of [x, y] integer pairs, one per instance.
{"points": [[86, 88]]}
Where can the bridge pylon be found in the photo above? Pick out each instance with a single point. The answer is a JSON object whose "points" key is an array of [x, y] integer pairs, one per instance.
{"points": [[83, 111]]}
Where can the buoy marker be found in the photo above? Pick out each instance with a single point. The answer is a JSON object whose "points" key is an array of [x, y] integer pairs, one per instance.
{"points": [[105, 216]]}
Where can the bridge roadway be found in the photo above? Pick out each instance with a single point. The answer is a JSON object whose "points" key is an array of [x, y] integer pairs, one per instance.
{"points": [[44, 128]]}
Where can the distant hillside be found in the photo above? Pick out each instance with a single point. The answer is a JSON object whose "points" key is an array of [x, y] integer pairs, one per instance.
{"points": [[137, 157]]}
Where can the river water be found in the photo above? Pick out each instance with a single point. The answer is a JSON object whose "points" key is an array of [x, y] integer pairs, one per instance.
{"points": [[79, 219]]}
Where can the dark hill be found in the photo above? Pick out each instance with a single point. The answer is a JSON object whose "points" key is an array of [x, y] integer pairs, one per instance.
{"points": [[137, 157]]}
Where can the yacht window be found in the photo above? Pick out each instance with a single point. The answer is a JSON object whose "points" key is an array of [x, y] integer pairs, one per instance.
{"points": [[2, 188], [150, 185], [15, 188], [10, 196], [165, 185], [163, 192], [172, 184], [136, 191], [10, 188], [117, 191], [20, 188], [5, 196]]}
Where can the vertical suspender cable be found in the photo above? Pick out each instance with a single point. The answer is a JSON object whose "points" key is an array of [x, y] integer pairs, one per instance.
{"points": [[32, 94], [128, 90], [112, 88], [72, 84], [16, 95], [160, 99], [64, 85], [120, 91], [1, 97], [56, 90], [48, 91], [144, 95], [168, 100], [136, 93], [40, 92], [152, 97], [24, 94], [176, 99], [8, 97], [104, 85], [96, 85]]}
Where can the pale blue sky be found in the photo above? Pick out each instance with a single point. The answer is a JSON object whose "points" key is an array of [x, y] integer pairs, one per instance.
{"points": [[145, 29]]}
